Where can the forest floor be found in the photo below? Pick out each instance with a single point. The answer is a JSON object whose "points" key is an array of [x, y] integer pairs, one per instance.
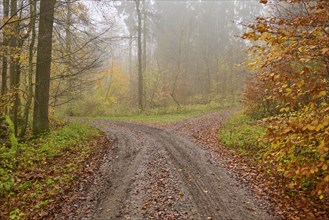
{"points": [[176, 171]]}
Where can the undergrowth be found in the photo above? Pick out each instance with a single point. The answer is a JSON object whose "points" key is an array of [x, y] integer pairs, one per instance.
{"points": [[32, 173], [242, 133], [167, 114], [290, 147]]}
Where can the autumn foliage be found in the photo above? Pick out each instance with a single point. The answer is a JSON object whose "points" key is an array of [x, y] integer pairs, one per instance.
{"points": [[289, 88]]}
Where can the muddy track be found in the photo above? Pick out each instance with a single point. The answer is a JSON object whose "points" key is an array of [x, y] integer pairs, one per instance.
{"points": [[157, 173]]}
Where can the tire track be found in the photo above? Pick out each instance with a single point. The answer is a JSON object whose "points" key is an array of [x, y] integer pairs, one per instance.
{"points": [[202, 179], [158, 174]]}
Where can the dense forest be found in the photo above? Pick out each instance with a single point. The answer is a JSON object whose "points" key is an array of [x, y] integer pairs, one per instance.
{"points": [[141, 56], [163, 62]]}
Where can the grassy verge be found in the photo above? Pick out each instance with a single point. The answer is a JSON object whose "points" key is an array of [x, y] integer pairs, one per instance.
{"points": [[162, 119], [167, 115], [32, 175], [242, 133]]}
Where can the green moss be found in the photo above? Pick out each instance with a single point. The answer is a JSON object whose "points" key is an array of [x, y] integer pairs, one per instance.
{"points": [[241, 132], [12, 137]]}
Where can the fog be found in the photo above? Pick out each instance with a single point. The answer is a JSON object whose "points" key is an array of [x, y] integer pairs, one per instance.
{"points": [[130, 56], [190, 52]]}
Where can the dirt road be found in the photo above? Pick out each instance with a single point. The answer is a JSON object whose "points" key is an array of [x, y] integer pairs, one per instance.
{"points": [[161, 173]]}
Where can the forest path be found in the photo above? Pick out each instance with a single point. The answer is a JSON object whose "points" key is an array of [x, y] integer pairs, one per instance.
{"points": [[160, 172]]}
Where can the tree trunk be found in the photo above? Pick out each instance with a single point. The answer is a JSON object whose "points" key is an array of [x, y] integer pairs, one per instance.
{"points": [[144, 43], [14, 65], [5, 43], [68, 51], [131, 91], [42, 78], [33, 9], [140, 63], [232, 71], [173, 91], [144, 35]]}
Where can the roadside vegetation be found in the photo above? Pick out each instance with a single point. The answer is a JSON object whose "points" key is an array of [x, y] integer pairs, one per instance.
{"points": [[242, 133], [34, 172], [287, 90], [165, 115], [160, 62]]}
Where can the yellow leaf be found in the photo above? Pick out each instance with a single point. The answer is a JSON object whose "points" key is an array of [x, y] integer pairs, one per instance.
{"points": [[319, 127], [322, 93], [322, 148], [321, 197], [326, 179], [325, 167], [310, 127], [285, 109]]}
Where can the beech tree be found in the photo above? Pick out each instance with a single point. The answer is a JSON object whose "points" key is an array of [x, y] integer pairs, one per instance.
{"points": [[289, 86], [42, 77]]}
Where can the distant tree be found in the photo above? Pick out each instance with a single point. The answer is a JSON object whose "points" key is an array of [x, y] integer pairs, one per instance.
{"points": [[140, 61]]}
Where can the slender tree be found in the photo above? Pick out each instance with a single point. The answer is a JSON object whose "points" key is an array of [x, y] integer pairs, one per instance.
{"points": [[33, 12], [144, 35], [140, 62], [5, 43], [14, 69]]}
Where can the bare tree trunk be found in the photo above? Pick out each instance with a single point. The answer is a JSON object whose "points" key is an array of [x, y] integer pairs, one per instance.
{"points": [[68, 50], [110, 84], [207, 58], [144, 35], [42, 78], [33, 12], [5, 43], [130, 70], [232, 70], [173, 91], [144, 43], [140, 63], [14, 66]]}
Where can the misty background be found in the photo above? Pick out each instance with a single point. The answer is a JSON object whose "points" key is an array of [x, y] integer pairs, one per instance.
{"points": [[191, 54]]}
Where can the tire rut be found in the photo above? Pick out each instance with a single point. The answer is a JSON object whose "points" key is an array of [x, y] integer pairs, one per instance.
{"points": [[127, 159], [159, 174], [215, 193]]}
